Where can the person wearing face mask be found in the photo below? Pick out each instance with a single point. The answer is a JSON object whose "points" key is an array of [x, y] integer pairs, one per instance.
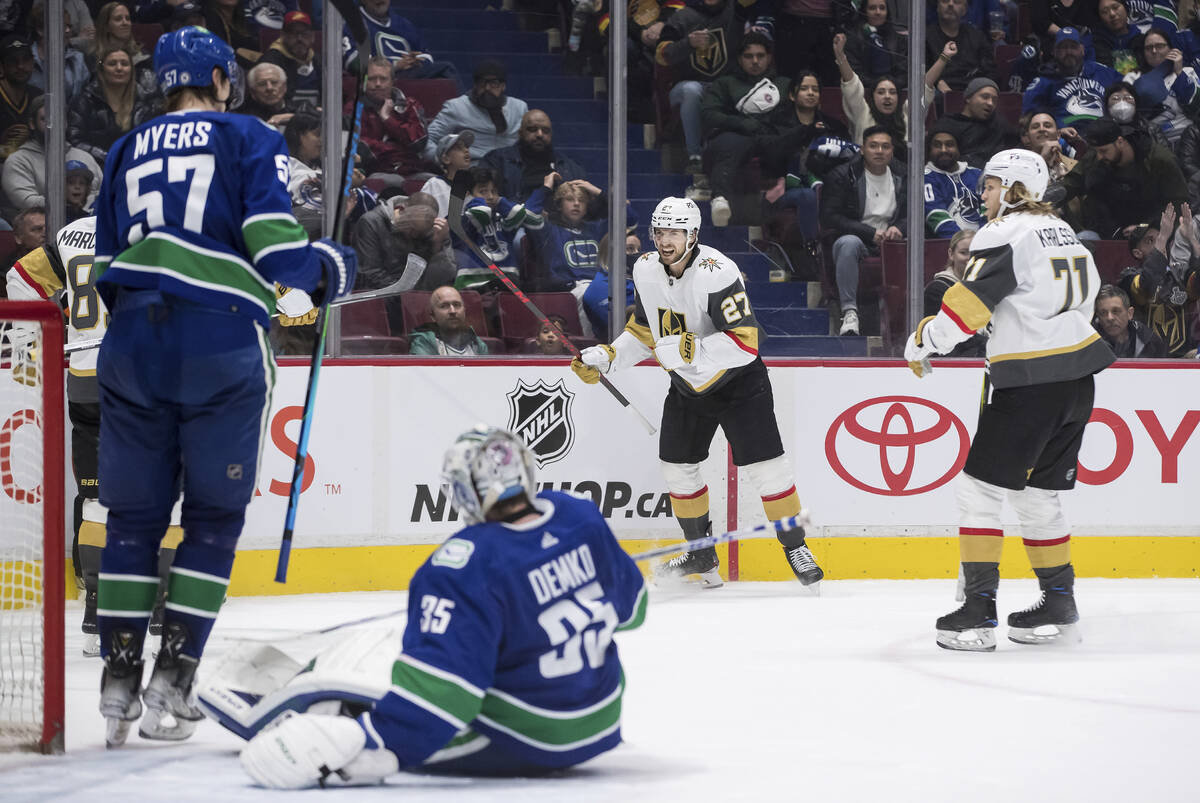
{"points": [[1169, 90], [486, 111], [1121, 104]]}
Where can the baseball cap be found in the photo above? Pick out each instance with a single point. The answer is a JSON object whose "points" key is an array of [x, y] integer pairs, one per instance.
{"points": [[1103, 132], [1067, 35], [78, 168], [13, 44], [447, 142], [297, 17]]}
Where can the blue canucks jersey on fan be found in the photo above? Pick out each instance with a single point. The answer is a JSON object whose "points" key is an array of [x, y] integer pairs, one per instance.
{"points": [[1074, 101], [952, 200], [509, 643], [195, 204]]}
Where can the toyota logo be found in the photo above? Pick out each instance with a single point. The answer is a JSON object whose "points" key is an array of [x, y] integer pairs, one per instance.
{"points": [[876, 429]]}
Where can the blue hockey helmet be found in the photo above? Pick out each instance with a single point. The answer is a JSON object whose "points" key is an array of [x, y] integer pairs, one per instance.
{"points": [[186, 57]]}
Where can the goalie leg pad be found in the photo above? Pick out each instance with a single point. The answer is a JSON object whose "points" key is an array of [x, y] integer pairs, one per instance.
{"points": [[308, 750]]}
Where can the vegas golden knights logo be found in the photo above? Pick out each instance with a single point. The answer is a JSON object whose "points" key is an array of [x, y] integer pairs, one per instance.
{"points": [[670, 322], [711, 60]]}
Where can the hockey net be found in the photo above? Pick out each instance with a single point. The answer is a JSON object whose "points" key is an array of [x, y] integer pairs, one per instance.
{"points": [[32, 513]]}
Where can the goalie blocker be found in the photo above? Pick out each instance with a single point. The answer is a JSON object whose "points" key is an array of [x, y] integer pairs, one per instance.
{"points": [[507, 665]]}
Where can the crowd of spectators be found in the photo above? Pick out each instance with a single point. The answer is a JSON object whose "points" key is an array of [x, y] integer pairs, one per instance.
{"points": [[793, 111]]}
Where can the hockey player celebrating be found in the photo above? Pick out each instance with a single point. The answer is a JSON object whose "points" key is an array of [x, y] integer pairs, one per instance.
{"points": [[1032, 285], [193, 228], [693, 314], [508, 665]]}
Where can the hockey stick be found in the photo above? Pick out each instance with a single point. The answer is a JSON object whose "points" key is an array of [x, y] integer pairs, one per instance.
{"points": [[358, 29], [457, 194]]}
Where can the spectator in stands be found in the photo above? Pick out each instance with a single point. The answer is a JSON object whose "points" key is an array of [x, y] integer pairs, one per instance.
{"points": [[974, 58], [1128, 338], [879, 104], [1048, 18], [449, 334], [803, 33], [735, 109], [1124, 179], [293, 52], [523, 167], [393, 127], [24, 172], [698, 43], [83, 29], [1168, 90], [396, 39], [404, 238], [865, 203], [547, 342], [29, 230], [1189, 161], [1040, 134], [228, 19], [114, 29], [597, 303], [267, 96], [952, 201], [957, 256], [77, 192], [645, 26], [979, 130], [75, 70], [493, 222], [875, 47], [453, 154], [1070, 87], [303, 137], [1114, 39], [567, 246], [487, 111], [1166, 279], [1123, 104], [110, 105], [16, 95]]}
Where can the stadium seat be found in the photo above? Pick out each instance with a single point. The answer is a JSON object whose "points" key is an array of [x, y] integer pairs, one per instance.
{"points": [[146, 34], [431, 93], [1112, 257], [517, 323], [365, 329], [831, 103]]}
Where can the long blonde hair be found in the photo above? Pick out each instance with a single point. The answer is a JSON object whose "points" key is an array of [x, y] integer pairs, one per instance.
{"points": [[104, 42], [119, 100], [959, 236], [1017, 194]]}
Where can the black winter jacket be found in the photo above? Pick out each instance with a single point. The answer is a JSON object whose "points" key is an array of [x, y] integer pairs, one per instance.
{"points": [[844, 198], [92, 124]]}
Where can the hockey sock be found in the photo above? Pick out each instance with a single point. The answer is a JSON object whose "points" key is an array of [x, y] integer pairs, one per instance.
{"points": [[691, 511], [127, 588], [1061, 578], [199, 578], [773, 480], [981, 578]]}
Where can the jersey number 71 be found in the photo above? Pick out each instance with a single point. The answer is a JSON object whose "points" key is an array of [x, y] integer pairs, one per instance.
{"points": [[1074, 273]]}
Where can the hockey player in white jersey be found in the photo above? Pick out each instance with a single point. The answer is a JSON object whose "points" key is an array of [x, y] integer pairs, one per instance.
{"points": [[1031, 284], [693, 314]]}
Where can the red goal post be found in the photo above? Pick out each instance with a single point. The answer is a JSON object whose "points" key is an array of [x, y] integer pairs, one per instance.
{"points": [[32, 526]]}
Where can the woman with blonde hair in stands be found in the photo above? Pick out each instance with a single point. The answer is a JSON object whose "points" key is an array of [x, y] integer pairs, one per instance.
{"points": [[114, 29], [957, 256], [110, 105]]}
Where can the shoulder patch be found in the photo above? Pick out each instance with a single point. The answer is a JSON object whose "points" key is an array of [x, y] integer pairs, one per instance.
{"points": [[709, 263], [453, 554]]}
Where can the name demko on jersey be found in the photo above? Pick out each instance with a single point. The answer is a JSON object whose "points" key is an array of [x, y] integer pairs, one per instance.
{"points": [[65, 268], [1032, 284], [710, 301]]}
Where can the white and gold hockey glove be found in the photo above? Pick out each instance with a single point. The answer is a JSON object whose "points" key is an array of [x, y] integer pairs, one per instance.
{"points": [[593, 361], [294, 306], [675, 351], [919, 349]]}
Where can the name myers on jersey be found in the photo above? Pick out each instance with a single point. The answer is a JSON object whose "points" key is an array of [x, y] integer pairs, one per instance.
{"points": [[563, 574], [172, 136], [432, 503], [1056, 236]]}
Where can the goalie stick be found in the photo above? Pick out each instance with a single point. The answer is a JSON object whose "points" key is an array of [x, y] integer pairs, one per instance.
{"points": [[457, 195], [394, 289], [358, 29]]}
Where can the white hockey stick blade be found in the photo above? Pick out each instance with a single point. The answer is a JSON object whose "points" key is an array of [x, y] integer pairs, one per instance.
{"points": [[82, 345]]}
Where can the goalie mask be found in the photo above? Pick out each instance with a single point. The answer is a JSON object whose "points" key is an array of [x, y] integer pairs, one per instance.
{"points": [[485, 466]]}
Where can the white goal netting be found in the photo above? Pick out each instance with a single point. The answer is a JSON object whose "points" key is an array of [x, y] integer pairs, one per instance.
{"points": [[30, 654]]}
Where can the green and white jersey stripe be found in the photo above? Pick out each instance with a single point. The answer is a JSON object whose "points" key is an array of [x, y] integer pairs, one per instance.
{"points": [[272, 232], [126, 595]]}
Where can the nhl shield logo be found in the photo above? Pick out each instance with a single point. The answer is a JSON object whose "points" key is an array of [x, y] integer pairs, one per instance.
{"points": [[540, 414]]}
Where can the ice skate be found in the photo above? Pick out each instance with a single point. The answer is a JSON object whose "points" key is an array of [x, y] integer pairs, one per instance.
{"points": [[1051, 620], [170, 713], [804, 565], [972, 627], [702, 562], [91, 632], [119, 687]]}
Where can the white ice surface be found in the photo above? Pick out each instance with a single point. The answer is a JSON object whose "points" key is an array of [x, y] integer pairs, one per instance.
{"points": [[757, 692]]}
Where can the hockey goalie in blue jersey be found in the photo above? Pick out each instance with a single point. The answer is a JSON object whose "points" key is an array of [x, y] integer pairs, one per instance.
{"points": [[194, 233], [508, 665]]}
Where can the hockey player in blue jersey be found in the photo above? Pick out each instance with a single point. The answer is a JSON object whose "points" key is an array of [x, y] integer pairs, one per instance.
{"points": [[194, 231], [508, 665], [951, 187]]}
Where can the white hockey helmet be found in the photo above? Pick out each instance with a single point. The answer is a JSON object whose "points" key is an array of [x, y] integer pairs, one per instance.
{"points": [[1018, 165], [487, 465], [677, 213]]}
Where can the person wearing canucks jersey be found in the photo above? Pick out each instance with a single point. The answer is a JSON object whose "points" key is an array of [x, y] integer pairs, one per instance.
{"points": [[193, 232], [692, 312], [508, 666]]}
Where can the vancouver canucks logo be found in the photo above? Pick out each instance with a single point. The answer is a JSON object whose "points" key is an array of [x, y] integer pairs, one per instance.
{"points": [[540, 415], [670, 322]]}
